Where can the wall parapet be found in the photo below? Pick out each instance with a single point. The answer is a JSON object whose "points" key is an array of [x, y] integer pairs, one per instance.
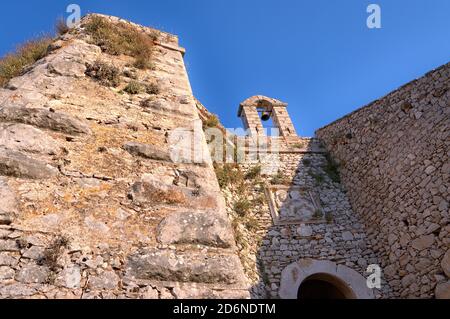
{"points": [[404, 86]]}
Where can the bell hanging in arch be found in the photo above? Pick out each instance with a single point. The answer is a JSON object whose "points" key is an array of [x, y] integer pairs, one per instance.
{"points": [[265, 116]]}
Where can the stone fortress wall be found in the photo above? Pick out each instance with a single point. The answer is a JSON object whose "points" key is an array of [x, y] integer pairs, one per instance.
{"points": [[92, 205], [393, 157]]}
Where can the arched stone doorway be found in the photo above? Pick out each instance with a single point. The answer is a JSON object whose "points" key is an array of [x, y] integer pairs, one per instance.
{"points": [[324, 286], [322, 279]]}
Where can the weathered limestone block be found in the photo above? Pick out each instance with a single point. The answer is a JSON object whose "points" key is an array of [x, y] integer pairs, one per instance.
{"points": [[445, 263], [165, 106], [66, 67], [145, 192], [32, 273], [44, 119], [6, 232], [8, 206], [423, 242], [304, 230], [95, 262], [31, 81], [106, 280], [19, 165], [147, 151], [8, 260], [34, 252], [96, 225], [8, 245], [149, 293], [80, 49], [32, 98], [6, 273], [201, 227], [16, 290], [22, 137], [152, 191], [443, 290], [165, 294], [64, 294], [347, 236], [185, 178], [188, 267], [193, 291]]}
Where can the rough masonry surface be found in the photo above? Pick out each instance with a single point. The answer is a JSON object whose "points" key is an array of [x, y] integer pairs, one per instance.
{"points": [[92, 205]]}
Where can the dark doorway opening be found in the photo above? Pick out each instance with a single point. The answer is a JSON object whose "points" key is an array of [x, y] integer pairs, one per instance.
{"points": [[323, 286]]}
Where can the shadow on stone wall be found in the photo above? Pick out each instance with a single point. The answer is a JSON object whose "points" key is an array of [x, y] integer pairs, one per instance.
{"points": [[312, 222], [394, 158]]}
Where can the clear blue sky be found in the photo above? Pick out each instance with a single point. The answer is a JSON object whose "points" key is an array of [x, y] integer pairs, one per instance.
{"points": [[317, 55]]}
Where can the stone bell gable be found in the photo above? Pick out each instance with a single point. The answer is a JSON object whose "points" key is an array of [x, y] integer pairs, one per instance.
{"points": [[255, 107]]}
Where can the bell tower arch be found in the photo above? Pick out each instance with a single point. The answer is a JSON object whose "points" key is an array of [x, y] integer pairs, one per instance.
{"points": [[262, 108]]}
